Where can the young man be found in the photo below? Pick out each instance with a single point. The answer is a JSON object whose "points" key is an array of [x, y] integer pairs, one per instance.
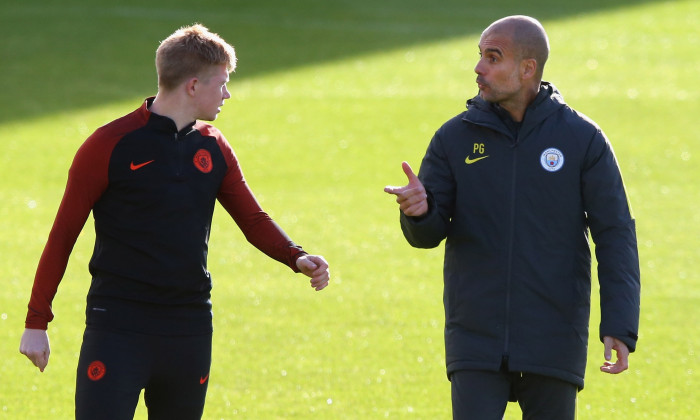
{"points": [[151, 180], [514, 184]]}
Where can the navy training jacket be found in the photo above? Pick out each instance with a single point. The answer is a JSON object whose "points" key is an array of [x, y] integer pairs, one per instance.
{"points": [[515, 206]]}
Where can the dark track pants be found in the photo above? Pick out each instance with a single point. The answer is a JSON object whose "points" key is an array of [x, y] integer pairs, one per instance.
{"points": [[115, 366], [482, 395]]}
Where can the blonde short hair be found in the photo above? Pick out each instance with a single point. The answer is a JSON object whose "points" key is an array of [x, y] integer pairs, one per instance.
{"points": [[191, 51]]}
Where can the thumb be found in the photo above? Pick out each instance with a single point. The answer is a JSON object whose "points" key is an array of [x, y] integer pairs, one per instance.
{"points": [[608, 342], [305, 264], [412, 178]]}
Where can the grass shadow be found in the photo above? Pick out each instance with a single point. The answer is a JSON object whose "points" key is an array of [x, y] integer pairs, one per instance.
{"points": [[60, 56]]}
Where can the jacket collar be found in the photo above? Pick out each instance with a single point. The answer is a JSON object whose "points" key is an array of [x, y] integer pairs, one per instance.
{"points": [[161, 122], [488, 114]]}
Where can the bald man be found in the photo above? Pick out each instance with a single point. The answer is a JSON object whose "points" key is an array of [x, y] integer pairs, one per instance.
{"points": [[515, 185]]}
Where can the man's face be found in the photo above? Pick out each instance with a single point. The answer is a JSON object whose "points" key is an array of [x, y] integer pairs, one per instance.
{"points": [[211, 92], [498, 69]]}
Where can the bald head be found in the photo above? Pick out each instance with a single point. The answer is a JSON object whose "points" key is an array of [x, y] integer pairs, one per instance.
{"points": [[528, 36]]}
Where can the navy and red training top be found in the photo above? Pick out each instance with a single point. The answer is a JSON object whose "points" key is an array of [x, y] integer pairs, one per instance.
{"points": [[152, 190]]}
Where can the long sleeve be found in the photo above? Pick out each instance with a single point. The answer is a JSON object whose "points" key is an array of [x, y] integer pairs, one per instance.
{"points": [[257, 226], [613, 231], [428, 231], [87, 179]]}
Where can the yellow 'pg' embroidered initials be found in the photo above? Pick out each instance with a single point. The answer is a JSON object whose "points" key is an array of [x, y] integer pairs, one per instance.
{"points": [[478, 152]]}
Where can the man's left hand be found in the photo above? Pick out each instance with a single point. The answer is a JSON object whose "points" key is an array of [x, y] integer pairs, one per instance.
{"points": [[622, 353], [316, 267]]}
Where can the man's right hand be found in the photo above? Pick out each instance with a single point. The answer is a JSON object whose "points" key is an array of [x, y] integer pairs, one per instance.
{"points": [[412, 199], [35, 345]]}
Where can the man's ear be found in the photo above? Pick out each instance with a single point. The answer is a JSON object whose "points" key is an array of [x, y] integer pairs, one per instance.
{"points": [[191, 86], [528, 68]]}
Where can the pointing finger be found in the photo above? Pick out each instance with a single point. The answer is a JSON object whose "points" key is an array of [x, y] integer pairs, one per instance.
{"points": [[413, 181], [409, 172]]}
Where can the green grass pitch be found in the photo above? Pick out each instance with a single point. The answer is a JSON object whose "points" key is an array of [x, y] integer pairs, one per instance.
{"points": [[328, 99]]}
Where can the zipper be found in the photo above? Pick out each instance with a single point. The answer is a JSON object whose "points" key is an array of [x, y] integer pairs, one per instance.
{"points": [[180, 153], [511, 236]]}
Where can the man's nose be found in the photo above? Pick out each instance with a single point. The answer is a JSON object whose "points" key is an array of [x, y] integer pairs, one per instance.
{"points": [[478, 68]]}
